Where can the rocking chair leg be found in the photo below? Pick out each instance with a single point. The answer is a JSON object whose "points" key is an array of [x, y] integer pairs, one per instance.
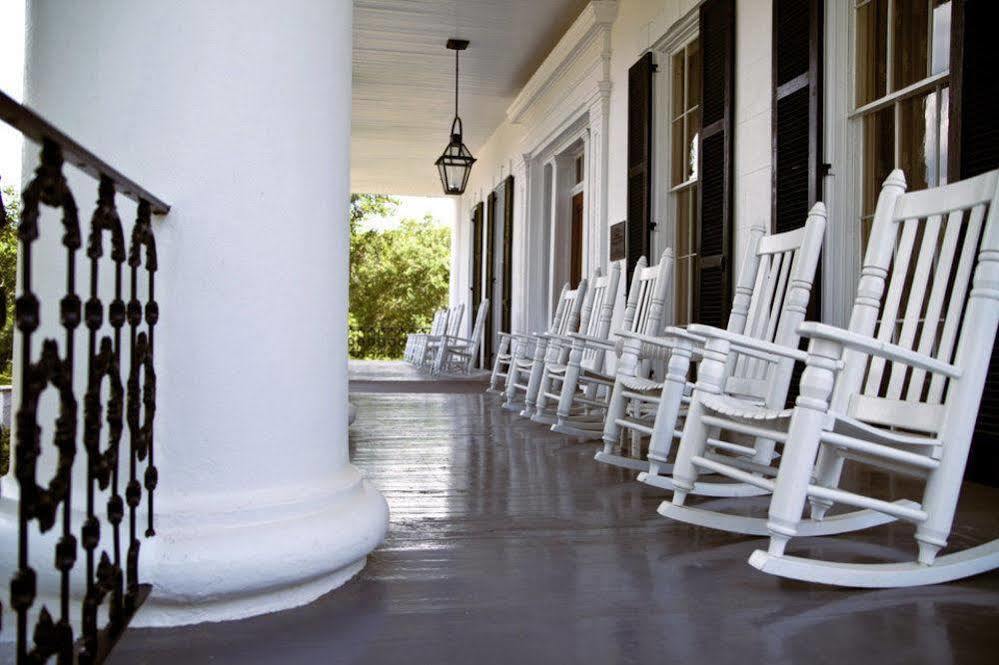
{"points": [[615, 409], [695, 432], [533, 383], [668, 411], [503, 350], [512, 374], [569, 384], [828, 469], [541, 401], [798, 461]]}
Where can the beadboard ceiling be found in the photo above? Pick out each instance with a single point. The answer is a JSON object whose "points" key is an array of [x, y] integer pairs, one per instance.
{"points": [[403, 97]]}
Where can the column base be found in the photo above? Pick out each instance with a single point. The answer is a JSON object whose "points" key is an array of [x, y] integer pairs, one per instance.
{"points": [[222, 558]]}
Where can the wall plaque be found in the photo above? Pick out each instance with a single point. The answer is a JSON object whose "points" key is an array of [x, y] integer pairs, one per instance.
{"points": [[618, 241]]}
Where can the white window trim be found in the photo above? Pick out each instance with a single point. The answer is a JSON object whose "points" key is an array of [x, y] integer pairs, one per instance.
{"points": [[677, 37]]}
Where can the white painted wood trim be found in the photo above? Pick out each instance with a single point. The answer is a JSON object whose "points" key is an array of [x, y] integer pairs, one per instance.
{"points": [[592, 23]]}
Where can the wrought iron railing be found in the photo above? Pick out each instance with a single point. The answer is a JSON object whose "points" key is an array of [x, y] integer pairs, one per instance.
{"points": [[110, 566]]}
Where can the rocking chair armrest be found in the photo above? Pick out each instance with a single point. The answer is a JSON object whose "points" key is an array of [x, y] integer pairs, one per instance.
{"points": [[758, 348], [587, 340], [455, 338], [666, 340], [874, 347]]}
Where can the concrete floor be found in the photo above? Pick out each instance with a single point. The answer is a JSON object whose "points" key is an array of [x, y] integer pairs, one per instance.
{"points": [[508, 544]]}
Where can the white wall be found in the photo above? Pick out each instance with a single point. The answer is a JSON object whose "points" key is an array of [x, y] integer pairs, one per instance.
{"points": [[638, 26]]}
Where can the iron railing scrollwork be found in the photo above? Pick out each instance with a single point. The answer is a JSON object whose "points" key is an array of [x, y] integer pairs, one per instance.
{"points": [[111, 569]]}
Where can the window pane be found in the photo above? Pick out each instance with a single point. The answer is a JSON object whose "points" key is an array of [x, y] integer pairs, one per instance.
{"points": [[917, 149], [678, 101], [693, 130], [678, 153], [910, 45], [693, 74], [871, 49], [940, 61], [879, 155]]}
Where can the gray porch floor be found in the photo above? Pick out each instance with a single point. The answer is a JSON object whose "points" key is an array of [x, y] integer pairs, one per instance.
{"points": [[509, 544]]}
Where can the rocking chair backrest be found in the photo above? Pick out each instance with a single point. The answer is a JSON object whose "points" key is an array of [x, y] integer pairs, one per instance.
{"points": [[454, 318], [924, 246], [478, 327], [598, 312], [440, 322], [646, 306], [772, 295], [570, 304], [647, 297]]}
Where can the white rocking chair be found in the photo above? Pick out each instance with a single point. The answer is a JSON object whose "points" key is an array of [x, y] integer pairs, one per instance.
{"points": [[509, 346], [594, 323], [430, 343], [414, 341], [458, 354], [890, 392], [584, 388], [531, 350], [899, 397], [772, 294]]}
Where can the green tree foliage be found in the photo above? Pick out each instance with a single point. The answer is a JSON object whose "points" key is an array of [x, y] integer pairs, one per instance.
{"points": [[8, 277], [398, 278]]}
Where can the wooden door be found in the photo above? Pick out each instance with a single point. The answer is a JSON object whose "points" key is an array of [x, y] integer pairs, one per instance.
{"points": [[576, 241]]}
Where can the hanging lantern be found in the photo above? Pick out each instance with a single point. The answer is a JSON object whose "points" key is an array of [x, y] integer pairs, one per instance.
{"points": [[455, 165]]}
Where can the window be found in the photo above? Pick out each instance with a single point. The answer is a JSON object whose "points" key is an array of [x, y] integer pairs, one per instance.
{"points": [[685, 125], [901, 94], [579, 169]]}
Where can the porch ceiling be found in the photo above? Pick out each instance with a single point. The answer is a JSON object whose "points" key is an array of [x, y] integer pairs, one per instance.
{"points": [[403, 97]]}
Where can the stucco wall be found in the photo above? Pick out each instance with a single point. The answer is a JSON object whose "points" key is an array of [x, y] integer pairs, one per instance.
{"points": [[638, 26]]}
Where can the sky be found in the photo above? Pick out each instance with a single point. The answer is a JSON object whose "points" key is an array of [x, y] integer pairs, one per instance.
{"points": [[440, 208], [12, 83]]}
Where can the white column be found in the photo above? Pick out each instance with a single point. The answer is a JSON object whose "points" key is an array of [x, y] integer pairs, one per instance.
{"points": [[238, 114], [596, 175]]}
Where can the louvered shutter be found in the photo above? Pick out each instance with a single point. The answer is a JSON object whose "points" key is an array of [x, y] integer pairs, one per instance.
{"points": [[712, 281], [507, 253], [639, 160], [476, 257], [974, 108], [797, 127], [490, 277]]}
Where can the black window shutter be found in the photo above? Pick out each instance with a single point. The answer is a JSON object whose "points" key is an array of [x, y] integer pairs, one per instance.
{"points": [[797, 111], [477, 256], [974, 100], [639, 160], [797, 127], [490, 280], [712, 281], [507, 253]]}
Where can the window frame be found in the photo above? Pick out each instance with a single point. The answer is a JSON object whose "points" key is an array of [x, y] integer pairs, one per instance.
{"points": [[843, 150], [664, 231]]}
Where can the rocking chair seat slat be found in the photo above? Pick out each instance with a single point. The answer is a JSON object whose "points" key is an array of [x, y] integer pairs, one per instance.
{"points": [[733, 407]]}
